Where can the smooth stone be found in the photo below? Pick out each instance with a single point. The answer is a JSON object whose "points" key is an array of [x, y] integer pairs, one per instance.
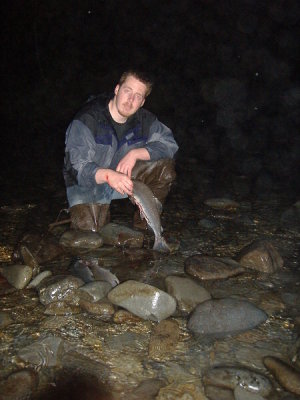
{"points": [[103, 309], [242, 394], [94, 291], [38, 279], [186, 292], [17, 275], [5, 319], [125, 317], [222, 203], [178, 391], [143, 300], [163, 339], [61, 308], [81, 240], [19, 385], [43, 352], [206, 268], [55, 322], [218, 393], [120, 235], [225, 317], [285, 374], [261, 256], [231, 377], [29, 259], [146, 390], [59, 288]]}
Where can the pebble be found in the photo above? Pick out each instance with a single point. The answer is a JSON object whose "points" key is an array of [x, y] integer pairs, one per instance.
{"points": [[124, 316], [231, 377], [59, 288], [94, 291], [61, 308], [242, 394], [261, 256], [206, 268], [103, 309], [164, 339], [19, 385], [38, 279], [18, 275], [119, 235], [143, 300], [187, 292], [81, 240], [285, 374], [43, 352], [223, 317]]}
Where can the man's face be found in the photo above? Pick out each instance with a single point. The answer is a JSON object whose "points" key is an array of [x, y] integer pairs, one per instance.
{"points": [[130, 96]]}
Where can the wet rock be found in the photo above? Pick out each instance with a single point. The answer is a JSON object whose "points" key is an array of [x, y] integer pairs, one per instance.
{"points": [[38, 279], [205, 268], [242, 394], [222, 204], [94, 291], [61, 308], [19, 385], [145, 301], [290, 219], [146, 390], [186, 292], [217, 393], [164, 339], [260, 255], [59, 288], [286, 375], [43, 352], [81, 240], [55, 322], [119, 235], [103, 309], [29, 260], [41, 249], [5, 319], [224, 317], [124, 316], [231, 377], [180, 391], [17, 275]]}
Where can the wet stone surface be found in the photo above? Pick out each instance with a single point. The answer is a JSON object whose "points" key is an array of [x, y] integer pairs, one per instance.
{"points": [[61, 336]]}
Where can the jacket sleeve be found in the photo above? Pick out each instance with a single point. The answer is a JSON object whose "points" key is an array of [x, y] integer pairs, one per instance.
{"points": [[161, 142], [81, 147]]}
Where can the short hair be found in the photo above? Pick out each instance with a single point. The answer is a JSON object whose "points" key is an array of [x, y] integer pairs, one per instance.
{"points": [[141, 76]]}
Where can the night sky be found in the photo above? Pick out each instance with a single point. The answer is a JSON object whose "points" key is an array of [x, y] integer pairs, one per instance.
{"points": [[225, 72]]}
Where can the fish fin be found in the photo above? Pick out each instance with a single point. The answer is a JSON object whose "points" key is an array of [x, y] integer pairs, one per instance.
{"points": [[161, 245]]}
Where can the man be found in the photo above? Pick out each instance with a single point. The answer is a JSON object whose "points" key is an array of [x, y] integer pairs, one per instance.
{"points": [[109, 143]]}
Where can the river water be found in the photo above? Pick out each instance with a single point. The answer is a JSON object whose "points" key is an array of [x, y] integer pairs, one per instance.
{"points": [[122, 349]]}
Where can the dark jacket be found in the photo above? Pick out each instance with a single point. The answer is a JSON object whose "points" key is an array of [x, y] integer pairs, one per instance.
{"points": [[92, 143]]}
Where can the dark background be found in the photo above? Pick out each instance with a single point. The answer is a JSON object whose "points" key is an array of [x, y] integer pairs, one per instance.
{"points": [[226, 81]]}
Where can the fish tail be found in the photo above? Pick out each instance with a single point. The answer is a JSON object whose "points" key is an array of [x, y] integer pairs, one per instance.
{"points": [[161, 245]]}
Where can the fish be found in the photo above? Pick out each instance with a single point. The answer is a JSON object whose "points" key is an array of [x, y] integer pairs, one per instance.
{"points": [[150, 209], [89, 271], [101, 274], [79, 268]]}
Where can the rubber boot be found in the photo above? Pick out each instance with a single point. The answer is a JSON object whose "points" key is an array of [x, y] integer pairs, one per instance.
{"points": [[158, 176], [89, 217]]}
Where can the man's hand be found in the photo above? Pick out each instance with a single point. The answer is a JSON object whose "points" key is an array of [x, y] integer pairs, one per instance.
{"points": [[127, 163], [117, 180]]}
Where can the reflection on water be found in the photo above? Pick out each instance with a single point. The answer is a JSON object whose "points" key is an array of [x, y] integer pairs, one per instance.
{"points": [[122, 348]]}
